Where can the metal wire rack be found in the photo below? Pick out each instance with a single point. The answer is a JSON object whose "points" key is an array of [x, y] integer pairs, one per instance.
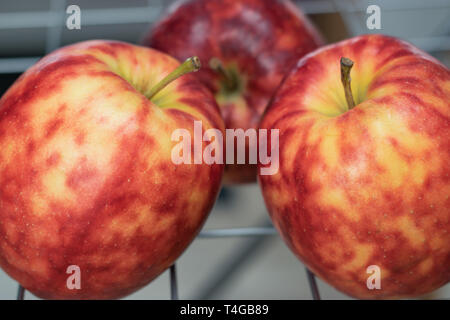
{"points": [[50, 17]]}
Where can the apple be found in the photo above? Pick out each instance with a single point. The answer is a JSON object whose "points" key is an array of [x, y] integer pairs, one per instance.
{"points": [[87, 180], [362, 191], [246, 46]]}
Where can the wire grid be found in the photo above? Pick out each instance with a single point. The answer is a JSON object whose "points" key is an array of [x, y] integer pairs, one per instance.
{"points": [[53, 20]]}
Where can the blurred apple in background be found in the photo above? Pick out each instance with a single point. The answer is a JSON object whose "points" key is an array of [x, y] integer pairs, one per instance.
{"points": [[86, 175], [246, 48], [365, 185]]}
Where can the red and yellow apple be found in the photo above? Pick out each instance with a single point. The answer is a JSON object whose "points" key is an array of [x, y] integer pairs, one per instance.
{"points": [[367, 185], [246, 47], [86, 175]]}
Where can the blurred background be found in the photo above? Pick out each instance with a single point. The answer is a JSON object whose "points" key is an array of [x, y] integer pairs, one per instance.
{"points": [[259, 267]]}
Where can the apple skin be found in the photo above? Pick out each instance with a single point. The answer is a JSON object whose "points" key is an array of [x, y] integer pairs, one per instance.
{"points": [[86, 176], [368, 186], [260, 40]]}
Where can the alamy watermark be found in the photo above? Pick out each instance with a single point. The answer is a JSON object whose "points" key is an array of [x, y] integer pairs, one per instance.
{"points": [[73, 21], [374, 20], [74, 280], [374, 280], [213, 152]]}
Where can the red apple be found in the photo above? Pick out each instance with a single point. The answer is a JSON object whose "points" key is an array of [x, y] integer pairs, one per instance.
{"points": [[86, 176], [367, 185], [248, 45]]}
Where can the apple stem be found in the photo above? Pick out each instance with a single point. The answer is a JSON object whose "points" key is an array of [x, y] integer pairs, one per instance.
{"points": [[346, 67], [217, 65], [191, 64]]}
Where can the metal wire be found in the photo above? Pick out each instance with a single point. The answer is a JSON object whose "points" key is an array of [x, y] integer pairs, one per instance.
{"points": [[54, 31], [173, 283], [20, 293], [313, 285], [238, 232], [230, 265]]}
